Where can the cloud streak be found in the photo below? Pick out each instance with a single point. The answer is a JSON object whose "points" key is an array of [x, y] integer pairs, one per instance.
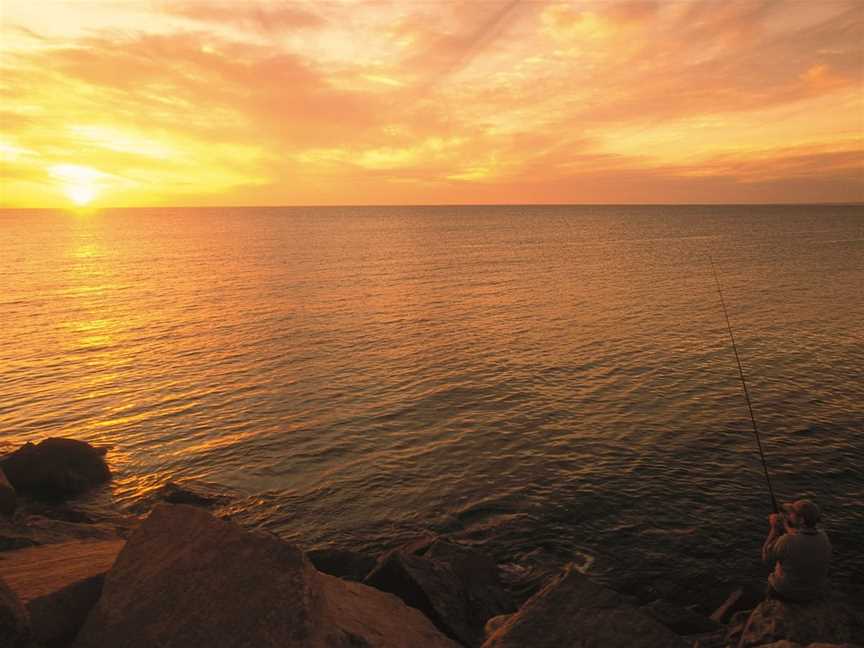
{"points": [[286, 103]]}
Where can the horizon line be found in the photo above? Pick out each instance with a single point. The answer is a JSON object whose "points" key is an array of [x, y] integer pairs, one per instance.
{"points": [[74, 208]]}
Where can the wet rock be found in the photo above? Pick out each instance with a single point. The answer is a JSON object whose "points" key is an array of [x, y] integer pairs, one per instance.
{"points": [[33, 530], [14, 622], [174, 493], [343, 563], [773, 620], [56, 468], [456, 586], [57, 617], [573, 611], [8, 497], [678, 619], [743, 598], [186, 578]]}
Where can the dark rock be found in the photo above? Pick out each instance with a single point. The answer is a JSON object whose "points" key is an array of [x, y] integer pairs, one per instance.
{"points": [[743, 598], [680, 620], [8, 497], [174, 493], [186, 578], [454, 585], [820, 621], [59, 511], [343, 563], [14, 622], [573, 611], [56, 468], [57, 617]]}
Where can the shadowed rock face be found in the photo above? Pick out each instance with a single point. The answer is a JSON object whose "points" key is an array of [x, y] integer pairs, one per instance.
{"points": [[343, 563], [453, 584], [573, 611], [14, 623], [56, 468], [185, 578], [8, 498]]}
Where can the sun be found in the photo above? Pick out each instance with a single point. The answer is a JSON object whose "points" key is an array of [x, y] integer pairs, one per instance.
{"points": [[81, 194], [81, 184]]}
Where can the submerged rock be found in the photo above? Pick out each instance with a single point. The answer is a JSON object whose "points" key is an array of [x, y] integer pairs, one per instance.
{"points": [[8, 497], [56, 468], [14, 622], [174, 493], [185, 578], [819, 621], [343, 563], [573, 611], [453, 584]]}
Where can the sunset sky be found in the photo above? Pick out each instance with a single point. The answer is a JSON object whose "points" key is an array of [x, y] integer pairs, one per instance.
{"points": [[171, 102]]}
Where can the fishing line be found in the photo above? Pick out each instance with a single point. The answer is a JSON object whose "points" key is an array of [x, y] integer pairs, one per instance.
{"points": [[744, 384]]}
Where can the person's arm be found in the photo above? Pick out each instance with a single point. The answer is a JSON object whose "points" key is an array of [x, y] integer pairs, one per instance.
{"points": [[776, 523]]}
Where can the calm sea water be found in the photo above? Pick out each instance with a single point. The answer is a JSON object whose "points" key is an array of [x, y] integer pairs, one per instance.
{"points": [[555, 383]]}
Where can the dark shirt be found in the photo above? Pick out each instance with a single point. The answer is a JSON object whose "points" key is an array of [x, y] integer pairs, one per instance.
{"points": [[802, 557]]}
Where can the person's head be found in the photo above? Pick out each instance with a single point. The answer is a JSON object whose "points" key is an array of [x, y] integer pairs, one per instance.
{"points": [[801, 514]]}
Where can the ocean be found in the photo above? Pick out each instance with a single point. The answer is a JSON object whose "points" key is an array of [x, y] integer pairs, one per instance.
{"points": [[551, 383]]}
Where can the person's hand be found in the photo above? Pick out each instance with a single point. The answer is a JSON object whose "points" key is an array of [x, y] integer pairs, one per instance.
{"points": [[775, 520]]}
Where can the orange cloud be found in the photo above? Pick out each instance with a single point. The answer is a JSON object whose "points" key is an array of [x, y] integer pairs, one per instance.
{"points": [[389, 102]]}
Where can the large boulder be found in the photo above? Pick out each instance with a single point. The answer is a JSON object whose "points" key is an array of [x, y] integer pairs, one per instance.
{"points": [[573, 611], [820, 621], [56, 468], [185, 578], [58, 584], [14, 622], [8, 497], [453, 584]]}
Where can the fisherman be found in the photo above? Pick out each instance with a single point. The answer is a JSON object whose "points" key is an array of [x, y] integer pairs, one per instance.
{"points": [[801, 552]]}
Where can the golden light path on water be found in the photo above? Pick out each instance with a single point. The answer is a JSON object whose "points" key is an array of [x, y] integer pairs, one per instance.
{"points": [[551, 382]]}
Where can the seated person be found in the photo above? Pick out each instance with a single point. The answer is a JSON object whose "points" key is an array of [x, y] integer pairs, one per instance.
{"points": [[801, 552]]}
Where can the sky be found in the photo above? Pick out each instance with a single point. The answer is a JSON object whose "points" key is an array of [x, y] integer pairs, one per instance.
{"points": [[266, 102]]}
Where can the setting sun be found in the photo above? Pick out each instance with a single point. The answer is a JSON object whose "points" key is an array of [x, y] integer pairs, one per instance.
{"points": [[81, 194], [79, 183]]}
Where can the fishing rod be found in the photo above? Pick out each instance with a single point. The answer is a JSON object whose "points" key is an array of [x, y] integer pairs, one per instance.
{"points": [[744, 384]]}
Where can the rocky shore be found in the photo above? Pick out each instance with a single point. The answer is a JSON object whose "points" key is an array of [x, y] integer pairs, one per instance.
{"points": [[180, 576]]}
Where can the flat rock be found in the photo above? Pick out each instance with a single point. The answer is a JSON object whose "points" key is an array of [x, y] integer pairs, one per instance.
{"points": [[456, 586], [32, 530], [39, 571], [8, 497], [773, 620], [56, 468], [186, 578], [14, 622], [573, 611]]}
